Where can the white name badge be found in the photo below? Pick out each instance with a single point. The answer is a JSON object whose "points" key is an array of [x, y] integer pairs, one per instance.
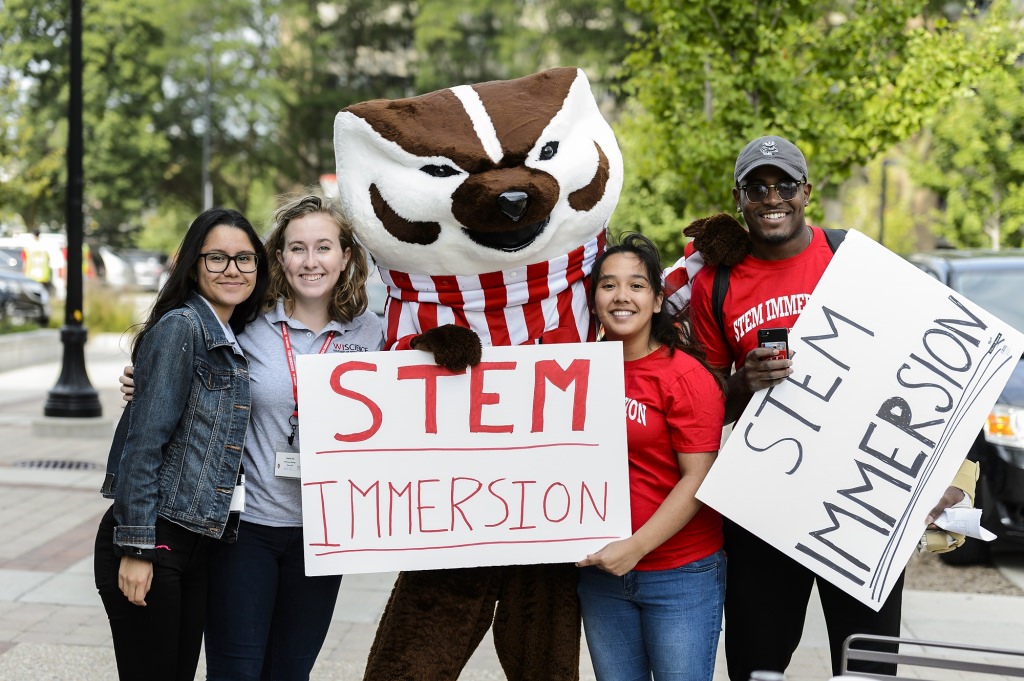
{"points": [[287, 465], [238, 496]]}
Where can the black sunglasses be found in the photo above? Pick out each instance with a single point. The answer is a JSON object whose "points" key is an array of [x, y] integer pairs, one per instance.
{"points": [[756, 193]]}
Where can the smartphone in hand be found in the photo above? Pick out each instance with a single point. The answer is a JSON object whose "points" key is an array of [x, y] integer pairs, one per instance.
{"points": [[776, 338]]}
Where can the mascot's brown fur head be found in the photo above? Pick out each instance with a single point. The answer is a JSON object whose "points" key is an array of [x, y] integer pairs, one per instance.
{"points": [[479, 178]]}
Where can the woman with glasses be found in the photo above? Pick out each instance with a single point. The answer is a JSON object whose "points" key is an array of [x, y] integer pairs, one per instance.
{"points": [[265, 618], [174, 465]]}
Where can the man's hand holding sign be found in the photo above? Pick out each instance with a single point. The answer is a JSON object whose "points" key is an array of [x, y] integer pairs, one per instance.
{"points": [[839, 463], [407, 465]]}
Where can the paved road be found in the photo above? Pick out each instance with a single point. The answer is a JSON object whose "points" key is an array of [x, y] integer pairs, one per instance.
{"points": [[52, 625]]}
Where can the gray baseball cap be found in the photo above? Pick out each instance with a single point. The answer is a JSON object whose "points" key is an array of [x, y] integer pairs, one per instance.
{"points": [[771, 151]]}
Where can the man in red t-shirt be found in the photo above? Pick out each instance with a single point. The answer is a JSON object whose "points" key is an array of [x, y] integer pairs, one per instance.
{"points": [[767, 592]]}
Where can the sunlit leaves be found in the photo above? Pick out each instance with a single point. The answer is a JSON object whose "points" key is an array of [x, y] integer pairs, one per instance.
{"points": [[845, 80]]}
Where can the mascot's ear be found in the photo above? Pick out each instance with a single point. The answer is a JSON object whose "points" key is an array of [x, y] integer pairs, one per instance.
{"points": [[720, 238]]}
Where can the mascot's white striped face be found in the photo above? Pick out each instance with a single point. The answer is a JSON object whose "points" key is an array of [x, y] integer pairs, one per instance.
{"points": [[479, 178]]}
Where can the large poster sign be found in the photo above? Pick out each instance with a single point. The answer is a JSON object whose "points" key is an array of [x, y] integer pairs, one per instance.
{"points": [[838, 466], [405, 465]]}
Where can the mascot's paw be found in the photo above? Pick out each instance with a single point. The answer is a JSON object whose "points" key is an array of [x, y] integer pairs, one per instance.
{"points": [[454, 347], [720, 238]]}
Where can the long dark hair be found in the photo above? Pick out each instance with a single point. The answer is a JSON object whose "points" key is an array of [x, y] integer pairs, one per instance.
{"points": [[670, 326], [181, 284]]}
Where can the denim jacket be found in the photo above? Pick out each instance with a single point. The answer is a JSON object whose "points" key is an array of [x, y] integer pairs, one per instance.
{"points": [[177, 449]]}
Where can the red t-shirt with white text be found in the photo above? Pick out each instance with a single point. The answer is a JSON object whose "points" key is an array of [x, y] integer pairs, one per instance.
{"points": [[673, 404], [762, 294]]}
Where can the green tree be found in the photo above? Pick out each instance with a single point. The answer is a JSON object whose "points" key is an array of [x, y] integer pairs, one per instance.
{"points": [[160, 80], [32, 146], [845, 79], [595, 35], [244, 92], [473, 41], [272, 75], [121, 88], [972, 156], [220, 89], [333, 55], [481, 40], [121, 93]]}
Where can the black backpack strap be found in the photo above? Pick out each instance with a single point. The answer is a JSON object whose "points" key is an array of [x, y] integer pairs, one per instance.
{"points": [[834, 237], [718, 291]]}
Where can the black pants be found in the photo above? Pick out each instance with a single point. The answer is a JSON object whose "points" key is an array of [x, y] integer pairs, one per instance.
{"points": [[766, 597], [267, 619], [162, 640]]}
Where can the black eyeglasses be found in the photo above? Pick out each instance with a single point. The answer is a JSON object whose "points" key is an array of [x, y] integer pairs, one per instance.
{"points": [[756, 193], [218, 262]]}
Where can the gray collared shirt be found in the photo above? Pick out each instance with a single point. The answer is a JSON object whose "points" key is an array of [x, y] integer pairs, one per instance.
{"points": [[270, 500]]}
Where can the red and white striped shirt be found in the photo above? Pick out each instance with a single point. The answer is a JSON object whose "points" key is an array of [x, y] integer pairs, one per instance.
{"points": [[543, 302]]}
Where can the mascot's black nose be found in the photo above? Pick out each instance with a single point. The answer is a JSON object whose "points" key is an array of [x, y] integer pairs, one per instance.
{"points": [[513, 204]]}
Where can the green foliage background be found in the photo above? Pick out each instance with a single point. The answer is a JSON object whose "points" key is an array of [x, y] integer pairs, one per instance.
{"points": [[846, 80], [933, 87]]}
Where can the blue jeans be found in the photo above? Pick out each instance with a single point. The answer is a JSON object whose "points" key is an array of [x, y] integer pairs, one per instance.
{"points": [[661, 622], [265, 618]]}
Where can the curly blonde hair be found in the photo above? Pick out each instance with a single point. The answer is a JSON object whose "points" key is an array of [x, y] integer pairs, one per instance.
{"points": [[349, 300]]}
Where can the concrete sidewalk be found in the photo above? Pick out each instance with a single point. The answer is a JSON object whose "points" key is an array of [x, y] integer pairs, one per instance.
{"points": [[52, 625]]}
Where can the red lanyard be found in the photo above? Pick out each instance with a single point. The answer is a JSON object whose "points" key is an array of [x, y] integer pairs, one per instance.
{"points": [[291, 360]]}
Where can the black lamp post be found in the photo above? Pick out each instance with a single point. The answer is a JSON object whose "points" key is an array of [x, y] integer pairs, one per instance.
{"points": [[74, 396]]}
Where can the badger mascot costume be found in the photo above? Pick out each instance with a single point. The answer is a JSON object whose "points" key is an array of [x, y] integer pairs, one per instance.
{"points": [[484, 207]]}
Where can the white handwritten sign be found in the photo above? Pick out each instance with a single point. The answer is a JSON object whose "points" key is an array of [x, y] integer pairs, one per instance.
{"points": [[894, 375], [519, 460]]}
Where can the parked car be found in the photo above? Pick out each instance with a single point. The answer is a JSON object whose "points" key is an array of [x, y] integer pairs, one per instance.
{"points": [[115, 271], [148, 268], [12, 259], [994, 280], [23, 300]]}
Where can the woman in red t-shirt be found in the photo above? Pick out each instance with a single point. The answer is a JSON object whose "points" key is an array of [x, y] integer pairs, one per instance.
{"points": [[652, 603]]}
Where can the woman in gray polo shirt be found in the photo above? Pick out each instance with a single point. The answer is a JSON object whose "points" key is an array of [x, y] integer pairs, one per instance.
{"points": [[263, 613]]}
